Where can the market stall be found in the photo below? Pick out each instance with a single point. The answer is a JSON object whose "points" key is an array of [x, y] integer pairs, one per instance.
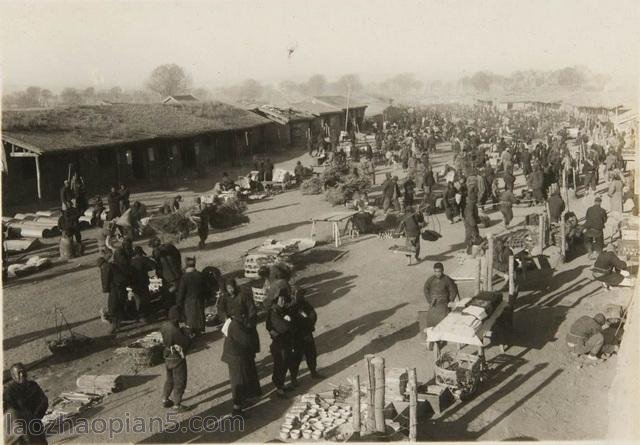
{"points": [[334, 218]]}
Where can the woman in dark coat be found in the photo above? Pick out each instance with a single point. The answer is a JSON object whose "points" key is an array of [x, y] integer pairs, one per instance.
{"points": [[114, 204], [191, 297], [237, 353], [239, 306], [268, 170]]}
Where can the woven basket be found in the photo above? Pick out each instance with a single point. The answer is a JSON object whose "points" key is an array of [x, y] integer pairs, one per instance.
{"points": [[145, 356], [259, 294]]}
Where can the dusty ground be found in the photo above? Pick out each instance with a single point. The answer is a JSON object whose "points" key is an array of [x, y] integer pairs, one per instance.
{"points": [[367, 300]]}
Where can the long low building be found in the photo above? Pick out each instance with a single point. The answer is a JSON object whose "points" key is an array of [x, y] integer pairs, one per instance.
{"points": [[131, 143]]}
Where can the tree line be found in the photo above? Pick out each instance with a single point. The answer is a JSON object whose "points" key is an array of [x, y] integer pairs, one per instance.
{"points": [[171, 79]]}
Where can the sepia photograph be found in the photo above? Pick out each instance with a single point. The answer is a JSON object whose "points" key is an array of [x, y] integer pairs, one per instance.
{"points": [[338, 221]]}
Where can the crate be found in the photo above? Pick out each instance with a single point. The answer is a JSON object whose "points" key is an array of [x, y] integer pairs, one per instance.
{"points": [[253, 263], [259, 294]]}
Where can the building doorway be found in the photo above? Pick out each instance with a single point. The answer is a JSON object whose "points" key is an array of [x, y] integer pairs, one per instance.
{"points": [[188, 155], [137, 164]]}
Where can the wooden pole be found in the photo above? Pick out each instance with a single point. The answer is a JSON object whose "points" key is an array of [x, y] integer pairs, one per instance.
{"points": [[38, 178], [541, 230], [478, 279], [371, 423], [563, 236], [512, 284], [378, 370], [489, 285], [413, 405], [356, 404]]}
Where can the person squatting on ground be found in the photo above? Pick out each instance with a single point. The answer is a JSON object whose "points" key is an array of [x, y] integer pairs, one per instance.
{"points": [[609, 269], [585, 336], [176, 343]]}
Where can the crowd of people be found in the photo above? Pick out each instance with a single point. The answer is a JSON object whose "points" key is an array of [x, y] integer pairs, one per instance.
{"points": [[489, 148]]}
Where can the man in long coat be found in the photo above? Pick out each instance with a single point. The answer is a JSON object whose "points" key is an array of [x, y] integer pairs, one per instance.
{"points": [[169, 267], [191, 297]]}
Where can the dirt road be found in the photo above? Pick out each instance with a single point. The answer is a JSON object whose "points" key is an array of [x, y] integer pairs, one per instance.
{"points": [[367, 298]]}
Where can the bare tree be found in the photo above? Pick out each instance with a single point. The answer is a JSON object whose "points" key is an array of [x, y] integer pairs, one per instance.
{"points": [[46, 98], [168, 79], [250, 90], [316, 85], [70, 96], [348, 82]]}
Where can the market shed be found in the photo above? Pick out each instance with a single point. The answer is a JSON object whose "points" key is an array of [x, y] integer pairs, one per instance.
{"points": [[292, 126]]}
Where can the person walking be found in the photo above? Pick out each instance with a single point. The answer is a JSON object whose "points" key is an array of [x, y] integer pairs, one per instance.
{"points": [[507, 200], [412, 223], [176, 343]]}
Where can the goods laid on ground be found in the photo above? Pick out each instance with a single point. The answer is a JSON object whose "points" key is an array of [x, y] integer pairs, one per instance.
{"points": [[174, 223], [628, 246], [273, 251], [312, 186], [21, 245], [229, 213], [313, 417], [146, 351], [68, 344], [32, 265], [99, 384]]}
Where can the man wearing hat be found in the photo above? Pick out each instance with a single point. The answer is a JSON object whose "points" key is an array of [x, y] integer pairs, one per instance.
{"points": [[595, 220], [585, 336], [191, 297], [175, 343]]}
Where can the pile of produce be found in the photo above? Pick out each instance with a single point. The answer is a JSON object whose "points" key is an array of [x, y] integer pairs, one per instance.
{"points": [[313, 417], [179, 222], [312, 186], [346, 188], [229, 213]]}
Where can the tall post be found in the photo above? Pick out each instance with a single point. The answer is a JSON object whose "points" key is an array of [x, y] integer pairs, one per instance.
{"points": [[541, 225], [413, 405], [38, 178], [512, 284], [478, 278], [346, 116], [378, 369], [356, 404], [563, 236], [371, 422], [489, 285]]}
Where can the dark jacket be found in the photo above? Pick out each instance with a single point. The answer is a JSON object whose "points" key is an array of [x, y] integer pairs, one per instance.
{"points": [[26, 397], [191, 296], [609, 261], [173, 335], [411, 224], [237, 344], [585, 327], [595, 218], [242, 309], [556, 207], [304, 317], [276, 324], [140, 267], [168, 262], [114, 204]]}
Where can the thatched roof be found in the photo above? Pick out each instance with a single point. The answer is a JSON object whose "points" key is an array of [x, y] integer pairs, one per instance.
{"points": [[283, 116], [316, 107], [341, 102], [75, 128]]}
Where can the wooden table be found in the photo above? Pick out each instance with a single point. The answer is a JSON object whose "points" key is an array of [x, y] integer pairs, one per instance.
{"points": [[334, 218], [435, 334]]}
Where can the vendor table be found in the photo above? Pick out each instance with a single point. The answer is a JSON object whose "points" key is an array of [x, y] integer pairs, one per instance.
{"points": [[436, 334], [334, 218]]}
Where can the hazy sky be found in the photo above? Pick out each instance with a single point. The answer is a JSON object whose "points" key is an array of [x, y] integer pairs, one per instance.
{"points": [[107, 43]]}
